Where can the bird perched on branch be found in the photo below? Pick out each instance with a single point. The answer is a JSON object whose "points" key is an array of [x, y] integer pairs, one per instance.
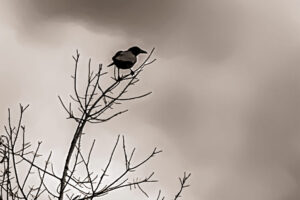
{"points": [[126, 59]]}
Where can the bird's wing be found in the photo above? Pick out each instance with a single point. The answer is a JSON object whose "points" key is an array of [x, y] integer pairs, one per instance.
{"points": [[114, 57], [125, 56]]}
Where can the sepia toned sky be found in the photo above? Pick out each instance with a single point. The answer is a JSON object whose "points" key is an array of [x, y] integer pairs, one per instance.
{"points": [[226, 87]]}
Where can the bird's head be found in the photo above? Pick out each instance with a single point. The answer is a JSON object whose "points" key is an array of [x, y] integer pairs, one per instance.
{"points": [[136, 50]]}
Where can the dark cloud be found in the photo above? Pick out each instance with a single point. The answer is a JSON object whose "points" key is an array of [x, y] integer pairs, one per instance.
{"points": [[133, 17], [203, 28], [128, 15]]}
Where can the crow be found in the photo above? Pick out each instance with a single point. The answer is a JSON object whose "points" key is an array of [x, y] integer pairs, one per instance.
{"points": [[126, 59]]}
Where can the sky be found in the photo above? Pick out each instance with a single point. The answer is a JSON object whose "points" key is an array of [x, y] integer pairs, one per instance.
{"points": [[225, 102]]}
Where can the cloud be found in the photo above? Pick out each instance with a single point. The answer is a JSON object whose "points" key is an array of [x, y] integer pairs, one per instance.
{"points": [[135, 17], [206, 28]]}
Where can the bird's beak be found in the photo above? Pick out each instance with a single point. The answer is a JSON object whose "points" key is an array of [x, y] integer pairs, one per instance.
{"points": [[142, 51]]}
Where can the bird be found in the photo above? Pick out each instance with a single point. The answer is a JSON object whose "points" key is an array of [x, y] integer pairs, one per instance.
{"points": [[126, 59]]}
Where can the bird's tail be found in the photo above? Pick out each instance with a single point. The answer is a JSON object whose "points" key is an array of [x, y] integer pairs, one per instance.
{"points": [[110, 64]]}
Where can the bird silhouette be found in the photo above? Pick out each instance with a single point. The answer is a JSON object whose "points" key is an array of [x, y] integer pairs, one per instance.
{"points": [[126, 59]]}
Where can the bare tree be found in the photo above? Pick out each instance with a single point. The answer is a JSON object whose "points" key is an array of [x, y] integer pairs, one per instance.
{"points": [[95, 104]]}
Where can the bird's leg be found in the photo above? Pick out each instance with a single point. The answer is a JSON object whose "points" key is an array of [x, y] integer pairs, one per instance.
{"points": [[119, 74], [131, 72]]}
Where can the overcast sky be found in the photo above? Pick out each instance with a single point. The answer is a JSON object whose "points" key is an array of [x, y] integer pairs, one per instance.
{"points": [[226, 86]]}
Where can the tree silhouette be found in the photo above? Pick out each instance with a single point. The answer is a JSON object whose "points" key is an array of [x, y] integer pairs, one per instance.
{"points": [[101, 94]]}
